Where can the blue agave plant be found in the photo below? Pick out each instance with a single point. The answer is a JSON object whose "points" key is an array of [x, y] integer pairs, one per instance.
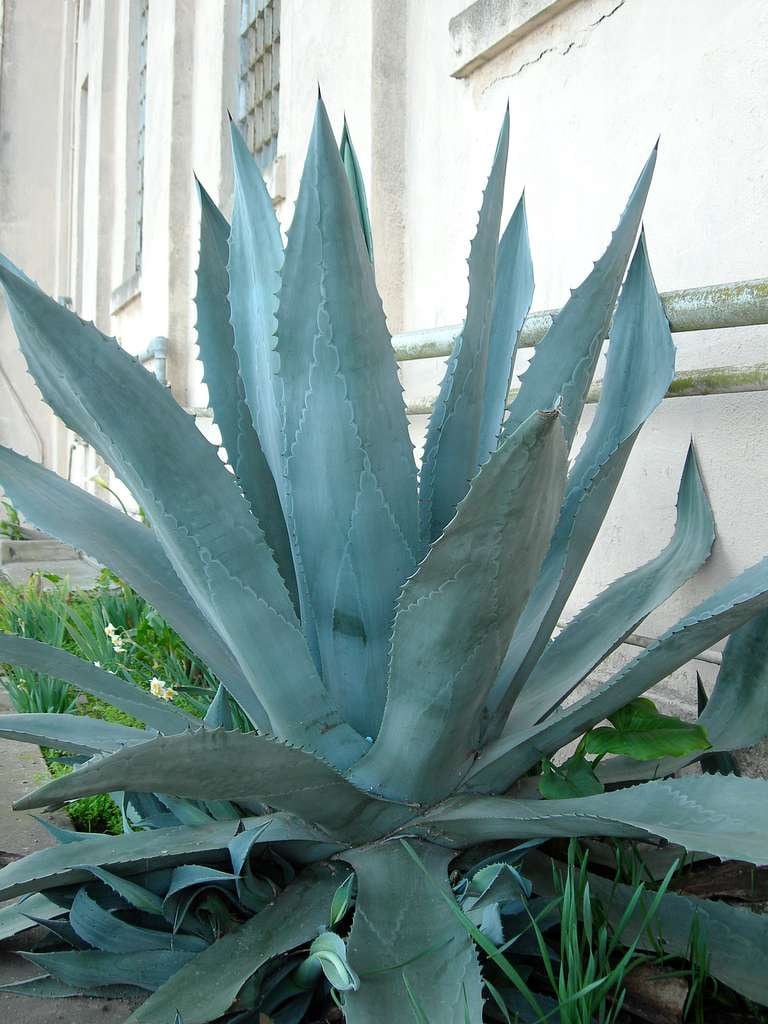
{"points": [[389, 637]]}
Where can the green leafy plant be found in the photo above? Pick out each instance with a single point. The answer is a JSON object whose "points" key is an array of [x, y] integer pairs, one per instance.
{"points": [[389, 639], [10, 524], [40, 614]]}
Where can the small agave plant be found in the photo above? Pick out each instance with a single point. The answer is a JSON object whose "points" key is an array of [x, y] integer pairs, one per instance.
{"points": [[388, 635]]}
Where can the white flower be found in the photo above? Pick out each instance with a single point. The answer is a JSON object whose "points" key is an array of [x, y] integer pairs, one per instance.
{"points": [[118, 643], [158, 689], [97, 664]]}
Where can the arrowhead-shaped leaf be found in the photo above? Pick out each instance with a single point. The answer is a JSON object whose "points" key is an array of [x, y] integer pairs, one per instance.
{"points": [[640, 731]]}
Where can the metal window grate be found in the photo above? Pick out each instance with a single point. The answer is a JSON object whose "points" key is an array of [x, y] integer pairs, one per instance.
{"points": [[141, 96], [259, 98]]}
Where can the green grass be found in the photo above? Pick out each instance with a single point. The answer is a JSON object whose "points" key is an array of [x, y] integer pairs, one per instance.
{"points": [[46, 609]]}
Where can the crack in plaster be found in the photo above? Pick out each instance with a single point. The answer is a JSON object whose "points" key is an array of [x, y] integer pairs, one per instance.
{"points": [[580, 41]]}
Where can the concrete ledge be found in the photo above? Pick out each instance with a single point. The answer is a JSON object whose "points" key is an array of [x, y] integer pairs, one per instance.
{"points": [[487, 27], [43, 550]]}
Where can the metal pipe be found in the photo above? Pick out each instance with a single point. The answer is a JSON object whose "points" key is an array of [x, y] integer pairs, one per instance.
{"points": [[713, 307], [157, 350]]}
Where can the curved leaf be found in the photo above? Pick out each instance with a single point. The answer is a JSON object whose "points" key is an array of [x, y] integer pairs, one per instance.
{"points": [[75, 517], [721, 815], [425, 950], [23, 914], [75, 733], [353, 510], [736, 714], [452, 452], [639, 368], [90, 968], [456, 614], [255, 259], [200, 517], [52, 661], [109, 933], [218, 765], [131, 853], [736, 939], [295, 917], [356, 184], [226, 393], [511, 302], [598, 629], [720, 614]]}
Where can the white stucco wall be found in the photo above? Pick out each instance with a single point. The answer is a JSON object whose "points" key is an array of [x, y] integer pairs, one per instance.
{"points": [[589, 92]]}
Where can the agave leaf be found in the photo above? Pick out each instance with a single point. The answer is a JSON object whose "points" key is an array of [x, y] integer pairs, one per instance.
{"points": [[90, 968], [51, 661], [605, 622], [130, 853], [720, 614], [75, 733], [354, 514], [216, 343], [452, 452], [511, 302], [640, 366], [138, 896], [65, 511], [191, 875], [426, 948], [255, 259], [736, 939], [43, 986], [721, 815], [19, 916], [330, 951], [109, 933], [456, 613], [356, 184], [565, 359], [640, 731], [200, 517], [219, 715], [736, 714], [295, 917], [229, 766]]}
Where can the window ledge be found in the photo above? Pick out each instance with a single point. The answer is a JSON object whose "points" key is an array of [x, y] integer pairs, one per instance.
{"points": [[126, 292], [488, 27]]}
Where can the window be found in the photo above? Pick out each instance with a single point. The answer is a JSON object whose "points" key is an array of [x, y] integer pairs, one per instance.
{"points": [[141, 110], [259, 98]]}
